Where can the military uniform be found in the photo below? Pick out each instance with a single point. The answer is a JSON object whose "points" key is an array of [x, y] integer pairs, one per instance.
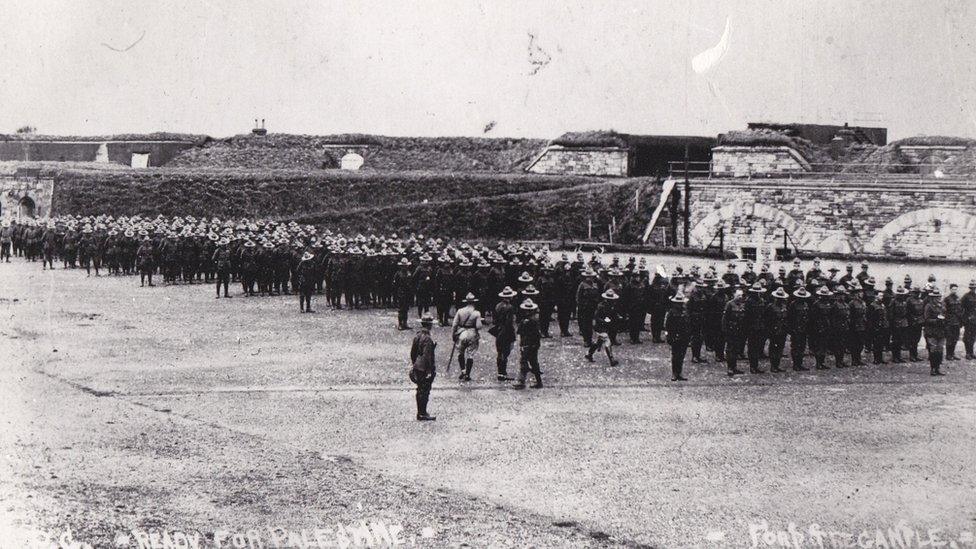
{"points": [[678, 326], [968, 305], [530, 339], [423, 369], [934, 320]]}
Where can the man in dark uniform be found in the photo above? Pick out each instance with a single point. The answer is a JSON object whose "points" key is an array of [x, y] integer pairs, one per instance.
{"points": [[221, 260], [820, 326], [848, 276], [714, 309], [424, 285], [503, 328], [604, 319], [754, 327], [968, 304], [798, 324], [677, 324], [734, 329], [659, 296], [443, 282], [933, 316], [565, 297], [815, 272], [423, 370], [898, 321], [840, 326], [953, 321], [144, 260], [403, 287], [696, 306], [306, 282], [795, 278], [916, 307], [775, 319], [863, 276], [530, 339], [587, 298], [730, 277], [858, 328], [878, 328], [546, 285]]}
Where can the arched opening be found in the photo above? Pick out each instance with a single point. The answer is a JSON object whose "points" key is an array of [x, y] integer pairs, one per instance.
{"points": [[26, 207]]}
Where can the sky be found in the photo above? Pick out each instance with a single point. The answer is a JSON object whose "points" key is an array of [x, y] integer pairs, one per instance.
{"points": [[485, 67]]}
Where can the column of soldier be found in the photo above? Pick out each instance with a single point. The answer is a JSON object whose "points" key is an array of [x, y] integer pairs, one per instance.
{"points": [[740, 317]]}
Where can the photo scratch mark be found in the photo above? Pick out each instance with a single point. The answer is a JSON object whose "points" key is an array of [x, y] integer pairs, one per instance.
{"points": [[129, 47]]}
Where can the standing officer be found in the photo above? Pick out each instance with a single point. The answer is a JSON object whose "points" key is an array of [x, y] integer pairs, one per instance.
{"points": [[754, 327], [953, 322], [565, 292], [503, 328], [775, 320], [968, 304], [820, 316], [798, 324], [734, 329], [423, 370], [403, 286], [934, 318], [697, 306], [221, 261], [306, 282], [840, 326], [878, 329], [898, 315], [587, 296], [715, 308], [677, 324], [916, 309], [603, 321], [530, 339], [856, 337]]}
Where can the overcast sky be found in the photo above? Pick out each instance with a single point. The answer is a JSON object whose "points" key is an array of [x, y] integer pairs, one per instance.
{"points": [[455, 67]]}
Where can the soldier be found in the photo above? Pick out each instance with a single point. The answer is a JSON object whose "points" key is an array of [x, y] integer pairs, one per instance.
{"points": [[658, 297], [530, 340], [677, 324], [635, 302], [603, 321], [935, 330], [898, 321], [915, 321], [775, 319], [755, 329], [878, 329], [144, 259], [856, 337], [798, 324], [953, 321], [730, 277], [6, 240], [423, 370], [815, 272], [863, 276], [221, 259], [840, 326], [546, 303], [503, 328], [49, 243], [820, 326], [749, 276], [848, 276], [796, 277], [734, 330], [696, 306], [466, 332], [306, 282], [714, 308], [587, 297], [968, 304], [403, 287], [443, 283]]}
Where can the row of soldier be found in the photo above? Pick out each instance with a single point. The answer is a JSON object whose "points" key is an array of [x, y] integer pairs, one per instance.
{"points": [[605, 299]]}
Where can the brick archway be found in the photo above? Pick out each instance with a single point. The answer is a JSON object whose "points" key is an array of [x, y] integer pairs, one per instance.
{"points": [[704, 230], [946, 216]]}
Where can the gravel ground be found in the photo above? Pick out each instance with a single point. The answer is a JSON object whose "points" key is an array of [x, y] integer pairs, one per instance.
{"points": [[135, 410]]}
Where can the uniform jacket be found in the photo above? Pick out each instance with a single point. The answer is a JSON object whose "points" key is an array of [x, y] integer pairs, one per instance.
{"points": [[422, 352], [935, 327], [677, 323], [953, 311], [529, 333]]}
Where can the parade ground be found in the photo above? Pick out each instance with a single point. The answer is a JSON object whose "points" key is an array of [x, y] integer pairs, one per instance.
{"points": [[135, 415]]}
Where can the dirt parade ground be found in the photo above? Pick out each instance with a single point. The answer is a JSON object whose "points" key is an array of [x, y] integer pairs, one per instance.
{"points": [[161, 417]]}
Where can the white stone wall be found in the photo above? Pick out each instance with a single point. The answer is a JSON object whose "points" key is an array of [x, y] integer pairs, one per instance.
{"points": [[556, 160], [729, 161], [14, 189]]}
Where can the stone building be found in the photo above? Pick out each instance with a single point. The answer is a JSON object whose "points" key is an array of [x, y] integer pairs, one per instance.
{"points": [[611, 154], [26, 194]]}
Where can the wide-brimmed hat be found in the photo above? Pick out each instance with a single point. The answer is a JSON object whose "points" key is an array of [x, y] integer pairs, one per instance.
{"points": [[250, 244], [508, 292], [528, 305], [757, 288], [404, 262], [679, 297], [470, 298], [935, 292], [589, 273], [840, 289], [610, 294], [427, 320], [721, 285], [525, 277], [530, 290], [801, 293], [307, 256], [824, 291], [780, 293], [900, 290]]}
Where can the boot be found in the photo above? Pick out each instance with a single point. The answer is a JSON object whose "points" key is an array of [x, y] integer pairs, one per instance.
{"points": [[613, 362], [538, 382]]}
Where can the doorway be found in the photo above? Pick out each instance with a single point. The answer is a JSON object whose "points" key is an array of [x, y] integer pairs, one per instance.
{"points": [[26, 208]]}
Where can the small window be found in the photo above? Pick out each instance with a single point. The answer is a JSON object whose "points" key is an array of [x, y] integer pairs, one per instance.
{"points": [[748, 253], [140, 160]]}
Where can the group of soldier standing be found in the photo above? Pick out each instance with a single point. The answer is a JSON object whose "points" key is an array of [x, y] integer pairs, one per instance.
{"points": [[519, 290]]}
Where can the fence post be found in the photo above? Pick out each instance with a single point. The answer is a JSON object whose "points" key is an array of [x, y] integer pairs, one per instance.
{"points": [[721, 240]]}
